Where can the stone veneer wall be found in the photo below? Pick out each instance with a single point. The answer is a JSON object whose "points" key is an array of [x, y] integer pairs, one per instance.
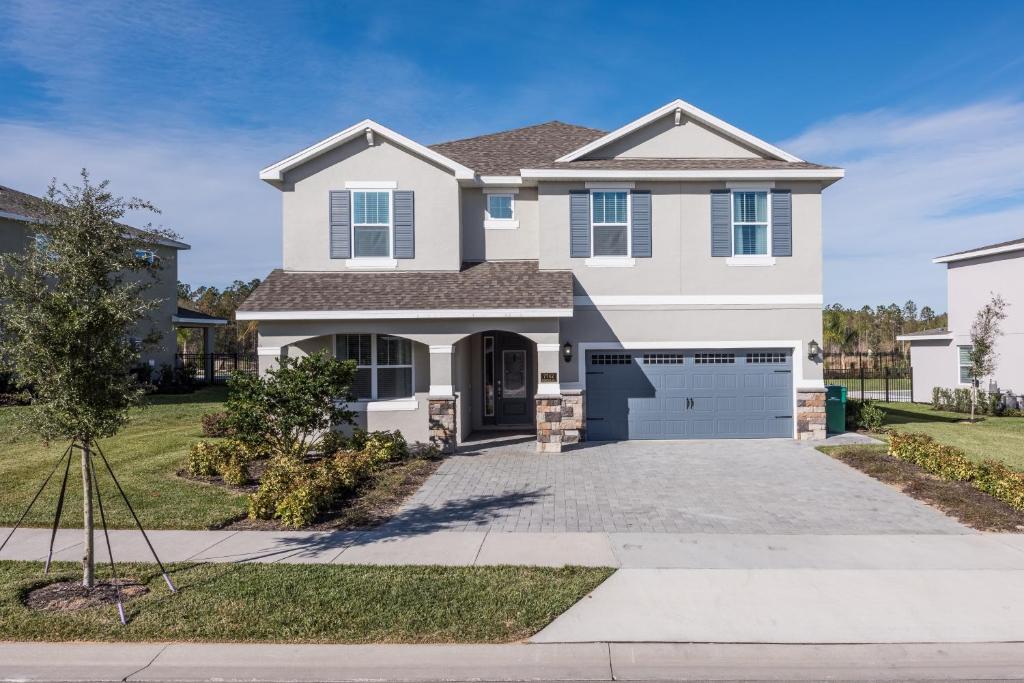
{"points": [[810, 414], [443, 431], [549, 424], [574, 423]]}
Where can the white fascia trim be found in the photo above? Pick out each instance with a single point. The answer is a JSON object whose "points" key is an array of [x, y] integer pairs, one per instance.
{"points": [[501, 180], [268, 351], [694, 174], [441, 390], [500, 190], [500, 224], [750, 261], [371, 263], [979, 252], [928, 337], [387, 406], [371, 185], [740, 185], [691, 112], [197, 321], [442, 348], [275, 172], [407, 314], [624, 185], [610, 262], [701, 300], [549, 389], [549, 347]]}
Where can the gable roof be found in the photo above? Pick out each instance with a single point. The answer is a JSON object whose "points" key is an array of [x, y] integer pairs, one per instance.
{"points": [[998, 248], [28, 208], [505, 153], [276, 171], [691, 112]]}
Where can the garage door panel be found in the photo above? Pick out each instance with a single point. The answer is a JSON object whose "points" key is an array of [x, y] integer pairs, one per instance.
{"points": [[689, 394]]}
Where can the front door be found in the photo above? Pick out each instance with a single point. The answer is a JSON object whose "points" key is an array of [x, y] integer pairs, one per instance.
{"points": [[506, 379]]}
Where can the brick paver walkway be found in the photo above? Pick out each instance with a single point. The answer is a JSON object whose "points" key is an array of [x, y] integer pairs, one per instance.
{"points": [[723, 486]]}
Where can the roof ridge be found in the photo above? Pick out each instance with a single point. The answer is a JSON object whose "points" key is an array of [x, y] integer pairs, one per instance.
{"points": [[516, 130]]}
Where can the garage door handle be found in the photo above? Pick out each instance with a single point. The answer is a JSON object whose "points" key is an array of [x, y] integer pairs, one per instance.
{"points": [[783, 417], [785, 371]]}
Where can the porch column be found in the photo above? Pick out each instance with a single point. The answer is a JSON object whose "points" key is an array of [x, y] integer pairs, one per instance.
{"points": [[441, 399], [208, 354], [549, 399]]}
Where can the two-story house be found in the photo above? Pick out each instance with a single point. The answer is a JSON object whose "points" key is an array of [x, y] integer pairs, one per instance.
{"points": [[662, 281], [940, 357]]}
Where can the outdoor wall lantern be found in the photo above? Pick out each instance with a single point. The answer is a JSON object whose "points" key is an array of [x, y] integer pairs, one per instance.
{"points": [[813, 350], [567, 352]]}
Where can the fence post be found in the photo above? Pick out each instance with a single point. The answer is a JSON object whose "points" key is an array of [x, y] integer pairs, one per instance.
{"points": [[911, 383], [886, 371], [862, 381]]}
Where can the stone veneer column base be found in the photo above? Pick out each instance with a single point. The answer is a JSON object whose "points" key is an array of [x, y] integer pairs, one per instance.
{"points": [[549, 424], [810, 414], [574, 423], [443, 432]]}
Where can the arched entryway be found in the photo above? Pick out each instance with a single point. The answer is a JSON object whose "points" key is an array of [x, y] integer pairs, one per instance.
{"points": [[507, 371]]}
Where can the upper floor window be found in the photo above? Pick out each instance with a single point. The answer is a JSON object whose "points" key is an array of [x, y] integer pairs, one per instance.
{"points": [[750, 224], [499, 207], [150, 258], [964, 360], [610, 222], [384, 365], [371, 223]]}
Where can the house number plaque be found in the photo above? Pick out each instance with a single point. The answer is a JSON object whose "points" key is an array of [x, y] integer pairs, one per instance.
{"points": [[549, 377]]}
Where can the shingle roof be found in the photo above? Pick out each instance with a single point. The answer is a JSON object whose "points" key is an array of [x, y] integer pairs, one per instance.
{"points": [[652, 164], [21, 206], [1010, 243], [493, 284], [506, 152], [193, 314], [927, 333]]}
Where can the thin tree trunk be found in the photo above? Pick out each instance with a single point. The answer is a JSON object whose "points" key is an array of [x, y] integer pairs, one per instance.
{"points": [[974, 399], [89, 556]]}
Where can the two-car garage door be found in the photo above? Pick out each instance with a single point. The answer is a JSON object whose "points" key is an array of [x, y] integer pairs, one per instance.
{"points": [[686, 394]]}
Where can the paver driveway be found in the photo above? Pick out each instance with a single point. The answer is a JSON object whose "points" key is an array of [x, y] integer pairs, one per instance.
{"points": [[772, 486]]}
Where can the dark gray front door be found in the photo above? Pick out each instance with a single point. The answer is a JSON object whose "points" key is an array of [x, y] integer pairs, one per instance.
{"points": [[703, 394], [507, 396]]}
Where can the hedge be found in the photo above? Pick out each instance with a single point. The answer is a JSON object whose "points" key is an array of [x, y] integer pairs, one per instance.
{"points": [[948, 462]]}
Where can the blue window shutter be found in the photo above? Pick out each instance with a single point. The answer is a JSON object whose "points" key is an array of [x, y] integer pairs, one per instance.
{"points": [[341, 224], [721, 220], [782, 223], [405, 224], [579, 224], [641, 220]]}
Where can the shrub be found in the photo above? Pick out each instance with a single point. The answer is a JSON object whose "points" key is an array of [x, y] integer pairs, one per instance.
{"points": [[948, 462], [384, 447], [229, 459], [215, 425], [864, 415]]}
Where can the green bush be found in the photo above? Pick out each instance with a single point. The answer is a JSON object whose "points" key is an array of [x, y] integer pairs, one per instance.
{"points": [[229, 458], [384, 447], [948, 462], [959, 401], [215, 425], [864, 415]]}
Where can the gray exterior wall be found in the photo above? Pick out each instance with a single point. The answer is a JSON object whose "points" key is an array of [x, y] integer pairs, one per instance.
{"points": [[665, 140], [488, 244], [306, 189], [935, 364]]}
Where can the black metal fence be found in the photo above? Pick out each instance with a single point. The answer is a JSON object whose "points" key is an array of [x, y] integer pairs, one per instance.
{"points": [[887, 383], [223, 365], [839, 360]]}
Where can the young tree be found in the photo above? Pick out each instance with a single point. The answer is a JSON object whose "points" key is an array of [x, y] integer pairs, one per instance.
{"points": [[70, 302], [984, 333]]}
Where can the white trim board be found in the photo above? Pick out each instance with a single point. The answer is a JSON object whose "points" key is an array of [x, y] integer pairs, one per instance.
{"points": [[701, 300], [407, 314], [691, 174], [925, 337], [276, 171], [385, 406], [1006, 248], [690, 112]]}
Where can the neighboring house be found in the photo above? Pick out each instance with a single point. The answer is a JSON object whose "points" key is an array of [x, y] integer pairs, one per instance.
{"points": [[940, 357], [19, 210], [663, 281]]}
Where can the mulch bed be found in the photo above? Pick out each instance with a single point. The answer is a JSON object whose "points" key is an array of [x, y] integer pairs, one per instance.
{"points": [[70, 596], [957, 499]]}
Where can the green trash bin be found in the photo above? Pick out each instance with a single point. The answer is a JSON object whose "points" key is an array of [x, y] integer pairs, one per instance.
{"points": [[835, 408]]}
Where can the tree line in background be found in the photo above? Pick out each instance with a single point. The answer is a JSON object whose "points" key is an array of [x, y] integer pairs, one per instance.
{"points": [[235, 337], [853, 330]]}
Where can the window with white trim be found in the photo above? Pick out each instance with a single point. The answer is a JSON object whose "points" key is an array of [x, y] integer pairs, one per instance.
{"points": [[371, 223], [964, 364], [500, 206], [384, 365], [609, 223], [750, 224]]}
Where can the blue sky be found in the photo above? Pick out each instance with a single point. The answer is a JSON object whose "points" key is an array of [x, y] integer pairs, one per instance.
{"points": [[182, 103]]}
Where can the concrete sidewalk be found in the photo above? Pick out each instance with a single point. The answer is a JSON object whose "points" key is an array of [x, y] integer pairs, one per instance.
{"points": [[514, 662], [628, 550]]}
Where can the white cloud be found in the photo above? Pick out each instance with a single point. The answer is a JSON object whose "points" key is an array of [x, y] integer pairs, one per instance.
{"points": [[917, 186], [206, 187]]}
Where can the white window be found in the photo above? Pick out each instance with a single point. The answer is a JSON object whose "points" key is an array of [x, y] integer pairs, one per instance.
{"points": [[384, 366], [151, 259], [964, 361], [371, 224], [751, 229], [609, 223], [500, 209]]}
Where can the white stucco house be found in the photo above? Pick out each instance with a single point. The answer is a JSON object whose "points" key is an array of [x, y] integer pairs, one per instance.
{"points": [[939, 357], [659, 281]]}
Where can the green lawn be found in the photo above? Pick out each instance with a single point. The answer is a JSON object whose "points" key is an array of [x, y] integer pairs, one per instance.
{"points": [[145, 455], [309, 604], [993, 438]]}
